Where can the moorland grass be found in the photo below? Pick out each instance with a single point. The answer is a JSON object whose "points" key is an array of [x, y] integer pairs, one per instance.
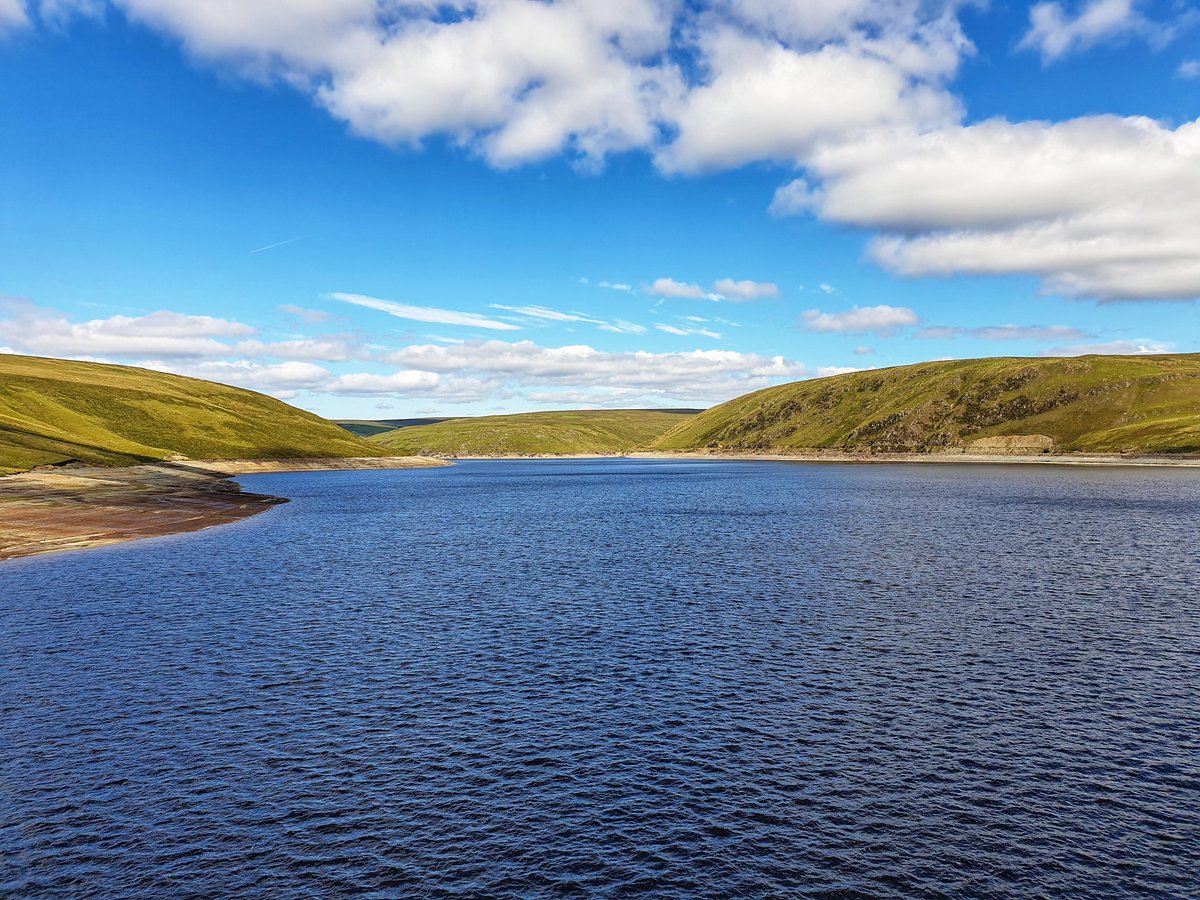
{"points": [[1096, 404], [556, 433], [55, 411]]}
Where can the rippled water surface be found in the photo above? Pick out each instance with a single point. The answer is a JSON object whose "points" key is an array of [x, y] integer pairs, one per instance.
{"points": [[650, 678]]}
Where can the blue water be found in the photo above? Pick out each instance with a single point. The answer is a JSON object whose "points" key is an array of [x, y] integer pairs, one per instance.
{"points": [[671, 679]]}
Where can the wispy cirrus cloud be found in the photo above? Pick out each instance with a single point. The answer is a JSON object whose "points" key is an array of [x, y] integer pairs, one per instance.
{"points": [[620, 326], [544, 312], [1040, 333], [276, 244], [431, 314], [617, 326], [686, 330]]}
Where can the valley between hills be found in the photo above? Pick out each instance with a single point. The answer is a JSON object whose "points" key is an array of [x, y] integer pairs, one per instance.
{"points": [[97, 453]]}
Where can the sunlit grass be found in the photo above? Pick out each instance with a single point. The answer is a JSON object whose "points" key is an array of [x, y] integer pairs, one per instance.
{"points": [[578, 431], [57, 411], [1099, 404]]}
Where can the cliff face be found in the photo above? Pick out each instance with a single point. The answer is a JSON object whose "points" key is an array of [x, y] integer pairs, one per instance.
{"points": [[1095, 404]]}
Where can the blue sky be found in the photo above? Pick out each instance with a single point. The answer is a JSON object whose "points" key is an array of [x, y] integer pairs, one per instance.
{"points": [[506, 206]]}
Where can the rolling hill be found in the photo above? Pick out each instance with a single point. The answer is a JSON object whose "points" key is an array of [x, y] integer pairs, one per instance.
{"points": [[56, 411], [372, 427], [577, 431], [1097, 404]]}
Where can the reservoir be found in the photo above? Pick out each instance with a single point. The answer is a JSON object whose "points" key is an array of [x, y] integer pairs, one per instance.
{"points": [[619, 677]]}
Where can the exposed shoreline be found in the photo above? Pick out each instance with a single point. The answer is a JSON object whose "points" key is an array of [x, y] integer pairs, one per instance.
{"points": [[1046, 459], [51, 510], [1043, 459]]}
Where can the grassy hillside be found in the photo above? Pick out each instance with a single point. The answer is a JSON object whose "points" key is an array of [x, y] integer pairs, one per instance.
{"points": [[1100, 404], [372, 427], [56, 411], [578, 431]]}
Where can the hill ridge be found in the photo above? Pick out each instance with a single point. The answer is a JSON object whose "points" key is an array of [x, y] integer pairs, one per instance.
{"points": [[55, 412], [559, 432], [1097, 404]]}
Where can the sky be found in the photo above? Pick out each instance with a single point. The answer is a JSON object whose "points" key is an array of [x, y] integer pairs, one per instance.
{"points": [[389, 208]]}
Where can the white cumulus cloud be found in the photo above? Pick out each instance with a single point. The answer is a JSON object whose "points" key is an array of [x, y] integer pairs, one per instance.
{"points": [[767, 99], [856, 94], [48, 333], [745, 290], [669, 287], [697, 375], [12, 14], [1135, 347], [1102, 206], [311, 316], [516, 81], [880, 320], [284, 376], [1055, 33], [330, 349]]}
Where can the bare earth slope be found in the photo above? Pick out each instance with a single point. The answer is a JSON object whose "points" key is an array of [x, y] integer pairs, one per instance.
{"points": [[541, 433], [56, 411], [1092, 404]]}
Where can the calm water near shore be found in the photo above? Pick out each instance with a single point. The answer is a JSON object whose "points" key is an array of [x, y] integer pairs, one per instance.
{"points": [[661, 678]]}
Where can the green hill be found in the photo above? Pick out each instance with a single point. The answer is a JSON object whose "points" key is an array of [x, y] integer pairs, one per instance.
{"points": [[1098, 404], [577, 431], [372, 427], [56, 411]]}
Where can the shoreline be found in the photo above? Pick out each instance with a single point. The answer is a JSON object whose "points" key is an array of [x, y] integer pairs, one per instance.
{"points": [[833, 456], [78, 508]]}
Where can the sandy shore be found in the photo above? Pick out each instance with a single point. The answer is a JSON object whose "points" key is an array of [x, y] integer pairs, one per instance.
{"points": [[77, 508]]}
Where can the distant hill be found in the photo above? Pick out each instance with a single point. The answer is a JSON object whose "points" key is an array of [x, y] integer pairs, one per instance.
{"points": [[1098, 404], [577, 431], [372, 427], [55, 411]]}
